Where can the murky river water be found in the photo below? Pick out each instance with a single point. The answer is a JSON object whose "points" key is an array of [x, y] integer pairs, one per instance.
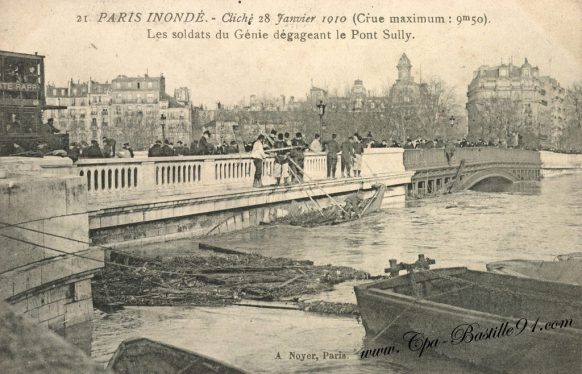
{"points": [[533, 221]]}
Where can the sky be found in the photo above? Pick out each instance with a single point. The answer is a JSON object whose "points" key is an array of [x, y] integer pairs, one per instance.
{"points": [[548, 33]]}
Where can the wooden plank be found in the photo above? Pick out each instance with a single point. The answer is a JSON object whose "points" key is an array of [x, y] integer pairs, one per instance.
{"points": [[215, 248], [290, 281]]}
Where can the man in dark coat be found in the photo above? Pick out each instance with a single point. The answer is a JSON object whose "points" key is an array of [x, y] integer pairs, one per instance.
{"points": [[204, 147], [50, 127], [332, 148], [167, 149], [93, 151], [347, 157], [180, 149], [74, 152], [108, 147], [156, 149]]}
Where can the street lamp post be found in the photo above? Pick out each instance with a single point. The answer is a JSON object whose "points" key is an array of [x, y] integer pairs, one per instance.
{"points": [[163, 124], [321, 112], [452, 123]]}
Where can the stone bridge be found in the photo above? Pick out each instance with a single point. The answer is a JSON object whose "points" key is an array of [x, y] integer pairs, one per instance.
{"points": [[434, 173], [134, 200], [171, 197]]}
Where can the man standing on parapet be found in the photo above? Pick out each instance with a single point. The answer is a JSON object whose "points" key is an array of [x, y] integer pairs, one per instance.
{"points": [[347, 156], [258, 155], [332, 149]]}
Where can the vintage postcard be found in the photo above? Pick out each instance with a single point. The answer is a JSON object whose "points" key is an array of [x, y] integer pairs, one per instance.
{"points": [[295, 186]]}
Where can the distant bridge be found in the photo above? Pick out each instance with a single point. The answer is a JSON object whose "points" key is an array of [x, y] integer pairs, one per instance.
{"points": [[434, 173]]}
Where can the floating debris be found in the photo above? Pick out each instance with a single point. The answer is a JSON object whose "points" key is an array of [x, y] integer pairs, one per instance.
{"points": [[217, 279]]}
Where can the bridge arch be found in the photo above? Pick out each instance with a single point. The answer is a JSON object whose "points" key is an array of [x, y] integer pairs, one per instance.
{"points": [[473, 179]]}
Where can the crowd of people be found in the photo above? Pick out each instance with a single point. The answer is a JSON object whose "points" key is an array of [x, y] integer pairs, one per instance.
{"points": [[201, 147], [107, 149], [290, 155], [288, 151]]}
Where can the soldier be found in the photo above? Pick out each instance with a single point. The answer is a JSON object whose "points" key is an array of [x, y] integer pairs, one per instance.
{"points": [[332, 149], [347, 156], [298, 157], [281, 162], [358, 154]]}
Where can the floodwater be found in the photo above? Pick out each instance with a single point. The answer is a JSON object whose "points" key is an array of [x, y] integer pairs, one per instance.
{"points": [[528, 221]]}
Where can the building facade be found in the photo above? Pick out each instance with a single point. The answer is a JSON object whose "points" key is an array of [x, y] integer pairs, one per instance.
{"points": [[129, 109], [405, 92], [357, 99], [516, 103]]}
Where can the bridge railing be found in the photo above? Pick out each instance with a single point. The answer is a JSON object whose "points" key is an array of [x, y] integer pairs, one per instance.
{"points": [[415, 159], [182, 174], [114, 177]]}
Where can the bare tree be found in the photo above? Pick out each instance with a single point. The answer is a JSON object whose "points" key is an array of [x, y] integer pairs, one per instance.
{"points": [[499, 118], [424, 110], [437, 103], [572, 134]]}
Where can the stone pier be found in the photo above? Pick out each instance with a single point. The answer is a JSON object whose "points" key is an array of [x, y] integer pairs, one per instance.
{"points": [[47, 264]]}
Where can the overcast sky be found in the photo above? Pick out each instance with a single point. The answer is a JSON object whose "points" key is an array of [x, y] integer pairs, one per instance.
{"points": [[548, 33]]}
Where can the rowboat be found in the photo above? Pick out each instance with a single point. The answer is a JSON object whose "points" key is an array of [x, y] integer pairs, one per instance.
{"points": [[495, 322], [567, 268], [143, 355]]}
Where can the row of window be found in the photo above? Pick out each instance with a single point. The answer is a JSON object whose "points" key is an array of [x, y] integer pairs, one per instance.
{"points": [[138, 85]]}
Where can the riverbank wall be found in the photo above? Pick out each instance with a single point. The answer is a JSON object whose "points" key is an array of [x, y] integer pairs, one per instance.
{"points": [[47, 263]]}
